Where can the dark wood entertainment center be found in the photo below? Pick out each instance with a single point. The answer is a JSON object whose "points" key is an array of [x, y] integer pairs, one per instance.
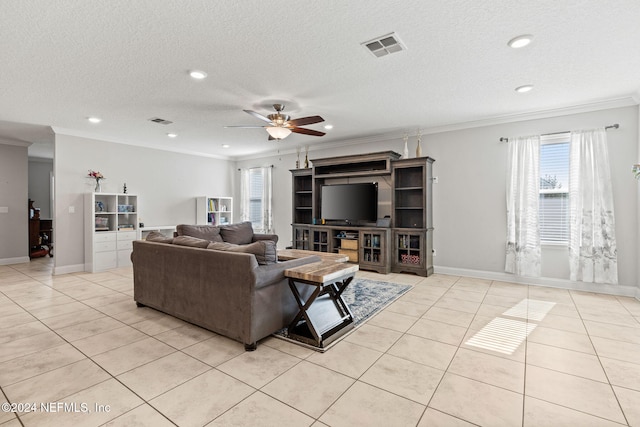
{"points": [[405, 244]]}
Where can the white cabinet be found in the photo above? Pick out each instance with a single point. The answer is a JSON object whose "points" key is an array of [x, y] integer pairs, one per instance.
{"points": [[214, 210], [111, 226]]}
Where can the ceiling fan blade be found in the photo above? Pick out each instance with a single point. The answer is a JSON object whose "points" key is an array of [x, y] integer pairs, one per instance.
{"points": [[258, 115], [246, 127], [306, 121], [307, 131]]}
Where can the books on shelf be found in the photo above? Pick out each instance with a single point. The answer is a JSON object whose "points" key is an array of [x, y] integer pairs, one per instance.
{"points": [[213, 205]]}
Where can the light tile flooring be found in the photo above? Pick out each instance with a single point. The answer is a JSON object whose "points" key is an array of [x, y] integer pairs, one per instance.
{"points": [[454, 351]]}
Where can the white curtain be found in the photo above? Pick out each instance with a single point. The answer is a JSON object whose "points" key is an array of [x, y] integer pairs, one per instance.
{"points": [[256, 198], [592, 242], [523, 193]]}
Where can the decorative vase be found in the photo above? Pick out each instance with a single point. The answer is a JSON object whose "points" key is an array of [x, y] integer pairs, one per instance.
{"points": [[98, 188], [306, 161], [405, 152], [419, 150]]}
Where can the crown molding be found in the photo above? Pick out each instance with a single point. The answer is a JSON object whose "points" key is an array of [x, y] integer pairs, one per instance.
{"points": [[627, 101], [88, 135]]}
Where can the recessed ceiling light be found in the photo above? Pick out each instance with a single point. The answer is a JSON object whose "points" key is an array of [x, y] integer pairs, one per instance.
{"points": [[520, 41], [225, 145], [172, 135], [197, 74], [94, 119], [523, 89], [328, 127]]}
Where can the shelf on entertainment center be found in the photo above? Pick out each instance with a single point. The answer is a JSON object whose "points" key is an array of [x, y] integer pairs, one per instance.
{"points": [[357, 165]]}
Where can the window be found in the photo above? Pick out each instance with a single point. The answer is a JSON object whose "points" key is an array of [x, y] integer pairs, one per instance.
{"points": [[256, 183], [256, 198], [554, 188]]}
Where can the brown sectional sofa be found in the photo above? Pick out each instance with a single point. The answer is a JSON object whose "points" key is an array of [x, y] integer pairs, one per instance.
{"points": [[222, 288]]}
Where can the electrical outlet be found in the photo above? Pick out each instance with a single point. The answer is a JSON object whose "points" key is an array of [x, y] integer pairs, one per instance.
{"points": [[435, 180], [72, 209], [434, 252], [4, 209]]}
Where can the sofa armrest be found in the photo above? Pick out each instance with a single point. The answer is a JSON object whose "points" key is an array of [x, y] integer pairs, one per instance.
{"points": [[257, 237], [269, 274]]}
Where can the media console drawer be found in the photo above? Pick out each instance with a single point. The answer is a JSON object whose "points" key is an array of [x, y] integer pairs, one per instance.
{"points": [[349, 244], [351, 253]]}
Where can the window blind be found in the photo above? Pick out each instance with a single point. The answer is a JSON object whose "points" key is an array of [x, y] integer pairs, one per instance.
{"points": [[554, 189]]}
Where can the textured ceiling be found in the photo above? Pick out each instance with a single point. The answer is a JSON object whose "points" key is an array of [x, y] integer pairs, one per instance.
{"points": [[127, 61]]}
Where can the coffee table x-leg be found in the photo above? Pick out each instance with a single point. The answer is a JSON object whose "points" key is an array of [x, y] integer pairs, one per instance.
{"points": [[324, 316]]}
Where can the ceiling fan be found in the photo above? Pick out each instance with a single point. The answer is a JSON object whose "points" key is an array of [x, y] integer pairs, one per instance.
{"points": [[281, 125]]}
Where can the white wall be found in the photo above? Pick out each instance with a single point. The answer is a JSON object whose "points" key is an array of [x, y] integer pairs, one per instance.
{"points": [[40, 185], [470, 199], [14, 224], [167, 184], [471, 165]]}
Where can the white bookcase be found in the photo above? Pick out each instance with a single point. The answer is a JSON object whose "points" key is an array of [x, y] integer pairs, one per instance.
{"points": [[214, 210], [111, 226]]}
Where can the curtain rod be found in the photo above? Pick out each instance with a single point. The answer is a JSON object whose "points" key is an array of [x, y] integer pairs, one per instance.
{"points": [[258, 167], [613, 126]]}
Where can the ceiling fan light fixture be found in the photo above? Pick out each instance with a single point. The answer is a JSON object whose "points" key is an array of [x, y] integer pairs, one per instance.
{"points": [[278, 132]]}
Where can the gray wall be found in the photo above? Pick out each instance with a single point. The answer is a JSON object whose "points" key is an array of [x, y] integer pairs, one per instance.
{"points": [[14, 224], [166, 184], [469, 201], [40, 185]]}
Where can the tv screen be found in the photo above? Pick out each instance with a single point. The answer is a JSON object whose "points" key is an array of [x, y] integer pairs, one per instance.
{"points": [[350, 202]]}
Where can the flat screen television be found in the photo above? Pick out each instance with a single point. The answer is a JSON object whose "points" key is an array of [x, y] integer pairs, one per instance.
{"points": [[350, 202]]}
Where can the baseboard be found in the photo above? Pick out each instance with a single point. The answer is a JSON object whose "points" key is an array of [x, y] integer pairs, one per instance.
{"points": [[66, 269], [620, 290], [16, 260]]}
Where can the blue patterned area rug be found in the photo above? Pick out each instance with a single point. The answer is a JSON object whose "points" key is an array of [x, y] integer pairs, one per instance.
{"points": [[365, 298]]}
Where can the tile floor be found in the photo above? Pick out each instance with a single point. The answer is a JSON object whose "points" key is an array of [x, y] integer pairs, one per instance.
{"points": [[454, 351]]}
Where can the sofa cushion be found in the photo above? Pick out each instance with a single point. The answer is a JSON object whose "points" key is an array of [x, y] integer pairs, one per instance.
{"points": [[156, 236], [239, 234], [264, 250], [207, 232], [193, 242]]}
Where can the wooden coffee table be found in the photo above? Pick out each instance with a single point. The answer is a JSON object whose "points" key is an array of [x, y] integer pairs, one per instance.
{"points": [[287, 254], [323, 315]]}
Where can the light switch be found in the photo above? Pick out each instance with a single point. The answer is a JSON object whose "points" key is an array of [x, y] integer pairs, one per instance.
{"points": [[4, 209], [435, 180], [72, 209]]}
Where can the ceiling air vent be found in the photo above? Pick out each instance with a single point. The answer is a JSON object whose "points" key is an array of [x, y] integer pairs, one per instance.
{"points": [[384, 45], [159, 120]]}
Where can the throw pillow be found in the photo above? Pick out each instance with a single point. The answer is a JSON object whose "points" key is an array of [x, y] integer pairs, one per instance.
{"points": [[265, 251], [156, 236], [239, 234], [193, 242], [207, 232]]}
